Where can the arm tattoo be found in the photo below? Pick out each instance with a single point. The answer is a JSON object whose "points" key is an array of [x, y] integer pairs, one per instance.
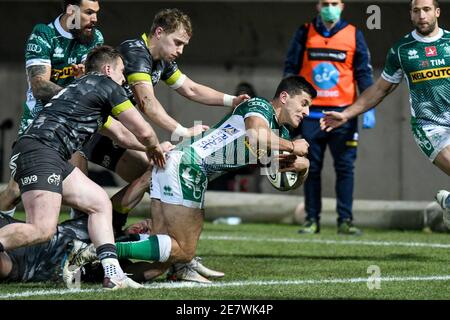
{"points": [[43, 89], [36, 71]]}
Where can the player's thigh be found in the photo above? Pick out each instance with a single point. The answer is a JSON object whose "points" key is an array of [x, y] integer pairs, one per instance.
{"points": [[82, 193], [6, 265], [10, 196], [183, 224], [442, 160], [80, 161], [131, 165], [158, 222], [39, 171], [434, 142], [13, 188], [42, 209]]}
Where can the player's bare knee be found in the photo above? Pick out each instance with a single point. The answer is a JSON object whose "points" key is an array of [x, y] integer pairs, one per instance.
{"points": [[176, 253], [101, 204], [185, 254], [45, 233]]}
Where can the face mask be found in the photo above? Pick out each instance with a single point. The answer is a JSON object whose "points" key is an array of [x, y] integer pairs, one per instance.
{"points": [[330, 13]]}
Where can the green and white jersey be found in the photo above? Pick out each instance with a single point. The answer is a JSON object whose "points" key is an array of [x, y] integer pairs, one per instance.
{"points": [[425, 63], [51, 45], [225, 147]]}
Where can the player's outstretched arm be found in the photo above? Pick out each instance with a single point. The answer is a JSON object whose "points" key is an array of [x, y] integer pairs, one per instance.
{"points": [[144, 133], [370, 98], [206, 95], [123, 137], [262, 137], [39, 78], [152, 108]]}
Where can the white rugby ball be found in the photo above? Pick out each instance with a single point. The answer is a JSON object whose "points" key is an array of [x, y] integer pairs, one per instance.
{"points": [[284, 181]]}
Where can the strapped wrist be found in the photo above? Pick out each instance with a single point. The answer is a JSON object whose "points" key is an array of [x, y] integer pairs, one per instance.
{"points": [[181, 131], [228, 100]]}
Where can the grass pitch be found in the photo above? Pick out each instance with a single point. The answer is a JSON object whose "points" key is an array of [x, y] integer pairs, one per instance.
{"points": [[264, 261]]}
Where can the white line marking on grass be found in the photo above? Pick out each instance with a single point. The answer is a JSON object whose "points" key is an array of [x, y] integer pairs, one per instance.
{"points": [[178, 285], [181, 285], [34, 293], [339, 242]]}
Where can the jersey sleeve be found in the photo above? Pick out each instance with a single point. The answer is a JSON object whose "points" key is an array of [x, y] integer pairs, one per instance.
{"points": [[138, 63], [38, 47], [392, 71], [172, 75], [115, 97]]}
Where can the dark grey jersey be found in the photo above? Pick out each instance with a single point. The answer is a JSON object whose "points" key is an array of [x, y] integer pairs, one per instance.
{"points": [[69, 120], [43, 262], [140, 65]]}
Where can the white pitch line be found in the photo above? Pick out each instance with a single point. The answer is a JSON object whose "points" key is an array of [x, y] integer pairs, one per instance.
{"points": [[338, 242], [181, 285], [31, 293]]}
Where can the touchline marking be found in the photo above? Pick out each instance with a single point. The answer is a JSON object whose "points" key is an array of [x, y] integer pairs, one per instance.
{"points": [[181, 285], [31, 293], [341, 242]]}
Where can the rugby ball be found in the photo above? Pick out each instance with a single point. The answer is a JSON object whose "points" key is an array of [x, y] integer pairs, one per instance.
{"points": [[283, 181]]}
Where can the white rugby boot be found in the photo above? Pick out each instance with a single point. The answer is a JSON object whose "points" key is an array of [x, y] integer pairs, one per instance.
{"points": [[442, 197]]}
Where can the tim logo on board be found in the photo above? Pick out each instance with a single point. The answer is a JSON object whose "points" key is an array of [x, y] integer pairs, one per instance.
{"points": [[325, 76]]}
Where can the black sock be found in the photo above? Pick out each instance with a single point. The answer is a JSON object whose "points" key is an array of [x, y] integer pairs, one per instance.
{"points": [[106, 251], [1, 247], [119, 221]]}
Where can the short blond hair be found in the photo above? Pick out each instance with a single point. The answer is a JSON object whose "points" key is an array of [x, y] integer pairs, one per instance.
{"points": [[170, 20]]}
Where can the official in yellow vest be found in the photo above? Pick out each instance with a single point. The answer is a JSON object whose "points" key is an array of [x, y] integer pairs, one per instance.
{"points": [[332, 55]]}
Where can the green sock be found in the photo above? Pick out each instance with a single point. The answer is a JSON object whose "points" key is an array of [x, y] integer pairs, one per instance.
{"points": [[142, 250]]}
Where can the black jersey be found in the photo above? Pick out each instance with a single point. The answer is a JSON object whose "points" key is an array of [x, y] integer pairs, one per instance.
{"points": [[71, 117], [43, 262], [140, 66]]}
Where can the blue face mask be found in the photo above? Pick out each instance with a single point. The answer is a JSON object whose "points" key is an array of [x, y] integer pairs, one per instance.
{"points": [[330, 13]]}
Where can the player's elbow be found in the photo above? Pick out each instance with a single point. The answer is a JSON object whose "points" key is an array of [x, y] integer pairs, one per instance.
{"points": [[37, 87], [45, 234], [144, 136]]}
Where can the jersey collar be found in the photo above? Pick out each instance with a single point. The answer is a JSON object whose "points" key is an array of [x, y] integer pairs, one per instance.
{"points": [[420, 38], [60, 29], [145, 38]]}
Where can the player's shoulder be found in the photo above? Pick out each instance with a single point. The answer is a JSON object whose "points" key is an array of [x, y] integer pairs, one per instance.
{"points": [[256, 104], [96, 79], [43, 29], [136, 55], [132, 47], [98, 37], [98, 84], [406, 39]]}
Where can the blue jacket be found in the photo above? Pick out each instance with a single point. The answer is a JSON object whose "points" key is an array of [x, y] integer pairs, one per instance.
{"points": [[361, 63]]}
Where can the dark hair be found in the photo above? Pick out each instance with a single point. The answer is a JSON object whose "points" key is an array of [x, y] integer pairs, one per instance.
{"points": [[170, 20], [73, 2], [245, 88], [435, 3], [295, 85], [99, 56]]}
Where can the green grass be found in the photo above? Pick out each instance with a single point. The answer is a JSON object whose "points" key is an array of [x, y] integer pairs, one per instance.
{"points": [[264, 252]]}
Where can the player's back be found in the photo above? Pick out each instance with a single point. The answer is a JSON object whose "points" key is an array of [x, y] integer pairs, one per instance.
{"points": [[226, 146], [72, 116]]}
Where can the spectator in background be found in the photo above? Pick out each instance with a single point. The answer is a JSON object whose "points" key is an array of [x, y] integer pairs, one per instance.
{"points": [[332, 55]]}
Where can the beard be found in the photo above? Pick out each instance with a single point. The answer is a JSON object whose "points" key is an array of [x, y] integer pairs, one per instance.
{"points": [[426, 30], [83, 36]]}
